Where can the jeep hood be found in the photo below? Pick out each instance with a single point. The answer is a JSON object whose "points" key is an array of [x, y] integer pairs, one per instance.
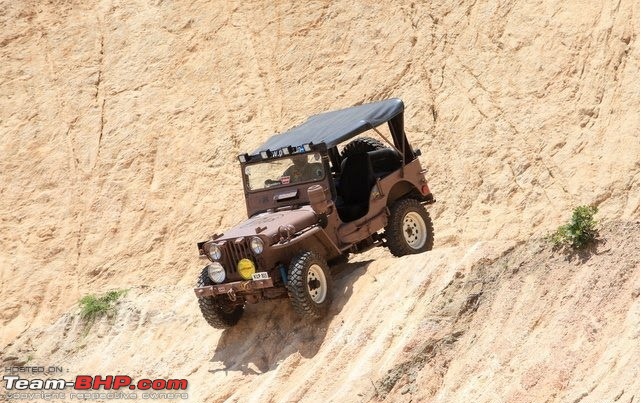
{"points": [[268, 223]]}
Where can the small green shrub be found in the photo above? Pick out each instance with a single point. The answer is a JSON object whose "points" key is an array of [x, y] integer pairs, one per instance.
{"points": [[579, 232], [93, 307]]}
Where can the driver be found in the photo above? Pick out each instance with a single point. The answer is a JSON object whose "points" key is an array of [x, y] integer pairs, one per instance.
{"points": [[301, 170]]}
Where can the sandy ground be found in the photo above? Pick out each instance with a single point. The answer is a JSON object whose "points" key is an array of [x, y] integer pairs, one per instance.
{"points": [[119, 127], [496, 321]]}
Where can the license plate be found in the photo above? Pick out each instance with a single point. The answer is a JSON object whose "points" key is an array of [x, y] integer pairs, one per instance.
{"points": [[262, 275]]}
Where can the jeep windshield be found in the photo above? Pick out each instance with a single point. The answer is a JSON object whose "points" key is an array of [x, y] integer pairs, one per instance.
{"points": [[286, 171]]}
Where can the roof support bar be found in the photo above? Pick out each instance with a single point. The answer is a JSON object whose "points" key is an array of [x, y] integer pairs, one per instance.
{"points": [[387, 140]]}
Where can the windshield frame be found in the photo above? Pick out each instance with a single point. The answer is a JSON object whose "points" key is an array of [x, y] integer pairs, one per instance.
{"points": [[322, 160]]}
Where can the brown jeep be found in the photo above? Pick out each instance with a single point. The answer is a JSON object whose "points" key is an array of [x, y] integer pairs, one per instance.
{"points": [[310, 205]]}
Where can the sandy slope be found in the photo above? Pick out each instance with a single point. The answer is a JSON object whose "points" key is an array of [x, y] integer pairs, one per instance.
{"points": [[496, 321], [120, 122]]}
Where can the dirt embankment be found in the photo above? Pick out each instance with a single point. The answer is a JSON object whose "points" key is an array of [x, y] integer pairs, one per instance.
{"points": [[495, 321], [119, 126]]}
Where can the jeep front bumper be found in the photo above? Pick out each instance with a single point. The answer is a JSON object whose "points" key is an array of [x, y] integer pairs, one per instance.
{"points": [[232, 288]]}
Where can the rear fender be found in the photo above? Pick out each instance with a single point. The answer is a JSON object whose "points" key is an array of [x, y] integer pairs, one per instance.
{"points": [[402, 189]]}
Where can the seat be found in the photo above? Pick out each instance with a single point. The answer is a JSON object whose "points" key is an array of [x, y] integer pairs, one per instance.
{"points": [[385, 161], [355, 183]]}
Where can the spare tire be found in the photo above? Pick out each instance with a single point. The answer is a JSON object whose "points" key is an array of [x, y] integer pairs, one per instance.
{"points": [[362, 145]]}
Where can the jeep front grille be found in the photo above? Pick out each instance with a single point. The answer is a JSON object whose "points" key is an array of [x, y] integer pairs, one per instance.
{"points": [[233, 251]]}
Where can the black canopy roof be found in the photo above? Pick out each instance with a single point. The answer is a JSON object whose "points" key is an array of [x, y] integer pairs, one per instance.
{"points": [[332, 128]]}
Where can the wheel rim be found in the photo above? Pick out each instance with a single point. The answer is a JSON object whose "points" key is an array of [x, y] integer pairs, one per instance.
{"points": [[414, 230], [316, 284]]}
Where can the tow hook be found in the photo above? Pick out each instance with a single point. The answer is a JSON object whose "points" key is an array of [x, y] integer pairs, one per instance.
{"points": [[232, 295]]}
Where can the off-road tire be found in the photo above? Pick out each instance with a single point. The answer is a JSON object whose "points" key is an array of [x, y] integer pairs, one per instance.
{"points": [[299, 287], [408, 223], [218, 314], [362, 145]]}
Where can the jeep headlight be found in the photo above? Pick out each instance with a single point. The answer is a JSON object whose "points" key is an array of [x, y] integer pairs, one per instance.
{"points": [[256, 244], [214, 251], [216, 272], [246, 268]]}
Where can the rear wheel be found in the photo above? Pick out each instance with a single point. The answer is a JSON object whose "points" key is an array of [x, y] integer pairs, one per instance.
{"points": [[409, 229], [219, 313], [309, 285]]}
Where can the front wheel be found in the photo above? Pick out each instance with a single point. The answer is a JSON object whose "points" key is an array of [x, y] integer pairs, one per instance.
{"points": [[309, 285], [219, 314], [409, 229]]}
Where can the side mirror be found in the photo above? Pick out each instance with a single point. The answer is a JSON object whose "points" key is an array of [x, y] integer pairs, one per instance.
{"points": [[418, 152]]}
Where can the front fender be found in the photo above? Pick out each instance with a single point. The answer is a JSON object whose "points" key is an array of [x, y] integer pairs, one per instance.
{"points": [[306, 237]]}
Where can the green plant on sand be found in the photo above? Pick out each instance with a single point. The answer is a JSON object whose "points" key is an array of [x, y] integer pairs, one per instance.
{"points": [[93, 307], [579, 232]]}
